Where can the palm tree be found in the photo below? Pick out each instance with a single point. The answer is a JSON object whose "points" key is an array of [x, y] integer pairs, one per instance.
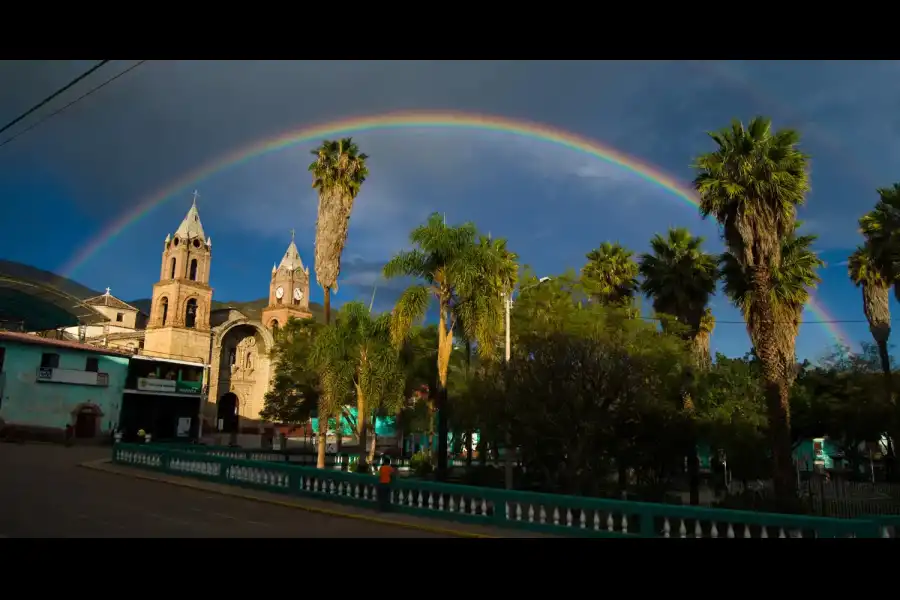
{"points": [[610, 275], [680, 278], [459, 272], [339, 171], [881, 227], [752, 185], [876, 293], [355, 357], [789, 293]]}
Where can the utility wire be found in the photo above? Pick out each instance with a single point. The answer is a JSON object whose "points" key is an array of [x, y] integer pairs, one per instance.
{"points": [[75, 101], [53, 95]]}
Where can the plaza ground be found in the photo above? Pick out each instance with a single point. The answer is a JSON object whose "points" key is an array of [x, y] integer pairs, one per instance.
{"points": [[44, 493]]}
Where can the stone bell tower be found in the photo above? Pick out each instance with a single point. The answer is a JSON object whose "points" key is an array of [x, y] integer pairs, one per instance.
{"points": [[288, 290], [179, 316]]}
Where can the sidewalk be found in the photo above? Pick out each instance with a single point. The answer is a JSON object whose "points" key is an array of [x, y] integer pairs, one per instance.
{"points": [[451, 529]]}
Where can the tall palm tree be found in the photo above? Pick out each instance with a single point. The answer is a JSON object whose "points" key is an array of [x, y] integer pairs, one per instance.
{"points": [[789, 293], [338, 171], [680, 278], [881, 227], [876, 293], [752, 185], [355, 357], [610, 275], [454, 268]]}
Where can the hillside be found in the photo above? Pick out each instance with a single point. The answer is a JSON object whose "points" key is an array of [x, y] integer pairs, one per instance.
{"points": [[27, 272], [251, 308]]}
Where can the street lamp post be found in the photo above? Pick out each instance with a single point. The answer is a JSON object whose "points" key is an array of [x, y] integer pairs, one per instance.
{"points": [[508, 463]]}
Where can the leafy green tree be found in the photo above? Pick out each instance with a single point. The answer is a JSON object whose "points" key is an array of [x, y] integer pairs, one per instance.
{"points": [[610, 275], [455, 268], [355, 358], [294, 395], [338, 171], [752, 184]]}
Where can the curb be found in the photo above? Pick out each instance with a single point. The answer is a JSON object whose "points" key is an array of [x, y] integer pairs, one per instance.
{"points": [[102, 464]]}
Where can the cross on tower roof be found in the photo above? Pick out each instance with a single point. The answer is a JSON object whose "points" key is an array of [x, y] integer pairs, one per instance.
{"points": [[196, 195], [107, 291], [292, 235]]}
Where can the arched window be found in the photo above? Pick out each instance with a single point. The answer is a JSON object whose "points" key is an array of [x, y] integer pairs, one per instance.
{"points": [[274, 326], [249, 361], [232, 356], [172, 276], [164, 307], [190, 313], [194, 270]]}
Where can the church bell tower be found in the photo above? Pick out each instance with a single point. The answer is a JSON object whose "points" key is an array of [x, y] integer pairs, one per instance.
{"points": [[179, 316], [288, 290]]}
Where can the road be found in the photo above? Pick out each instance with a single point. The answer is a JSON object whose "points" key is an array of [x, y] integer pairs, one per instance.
{"points": [[43, 493]]}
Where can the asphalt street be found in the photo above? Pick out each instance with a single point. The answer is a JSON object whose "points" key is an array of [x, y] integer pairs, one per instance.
{"points": [[43, 493]]}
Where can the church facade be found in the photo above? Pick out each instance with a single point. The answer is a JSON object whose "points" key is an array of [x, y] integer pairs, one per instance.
{"points": [[182, 324]]}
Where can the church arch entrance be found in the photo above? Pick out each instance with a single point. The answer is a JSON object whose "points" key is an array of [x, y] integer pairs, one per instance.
{"points": [[241, 353]]}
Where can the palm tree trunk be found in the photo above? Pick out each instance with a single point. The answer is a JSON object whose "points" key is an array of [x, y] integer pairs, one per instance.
{"points": [[326, 303], [373, 444], [468, 431], [320, 442], [891, 457], [445, 345], [362, 427], [765, 338]]}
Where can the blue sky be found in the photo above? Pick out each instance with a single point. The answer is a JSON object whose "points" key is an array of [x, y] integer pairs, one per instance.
{"points": [[65, 181]]}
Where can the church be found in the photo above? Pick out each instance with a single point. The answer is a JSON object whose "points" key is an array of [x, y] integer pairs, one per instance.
{"points": [[182, 325]]}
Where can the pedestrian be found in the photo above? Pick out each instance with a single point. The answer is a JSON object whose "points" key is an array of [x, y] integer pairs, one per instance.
{"points": [[385, 476]]}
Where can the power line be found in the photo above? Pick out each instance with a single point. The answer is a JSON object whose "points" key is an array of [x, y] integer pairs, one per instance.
{"points": [[802, 322], [53, 95], [75, 101]]}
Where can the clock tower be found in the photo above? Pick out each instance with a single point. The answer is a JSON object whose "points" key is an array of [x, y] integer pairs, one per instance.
{"points": [[288, 290]]}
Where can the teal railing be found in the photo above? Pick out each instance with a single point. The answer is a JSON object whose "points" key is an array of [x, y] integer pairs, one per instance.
{"points": [[337, 461], [541, 513]]}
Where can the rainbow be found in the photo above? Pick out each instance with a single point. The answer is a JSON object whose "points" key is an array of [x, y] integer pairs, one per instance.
{"points": [[408, 119]]}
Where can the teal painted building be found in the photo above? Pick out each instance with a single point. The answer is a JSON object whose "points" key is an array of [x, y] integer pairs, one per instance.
{"points": [[48, 384]]}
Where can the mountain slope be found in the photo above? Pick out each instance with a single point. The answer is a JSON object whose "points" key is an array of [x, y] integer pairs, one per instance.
{"points": [[27, 272]]}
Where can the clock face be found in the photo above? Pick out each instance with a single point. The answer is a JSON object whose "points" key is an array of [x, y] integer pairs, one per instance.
{"points": [[298, 295], [279, 292]]}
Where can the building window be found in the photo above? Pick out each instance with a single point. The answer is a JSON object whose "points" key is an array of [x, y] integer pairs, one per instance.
{"points": [[173, 268], [49, 360], [232, 356], [92, 364], [194, 270], [190, 313], [249, 362], [164, 306], [120, 317], [274, 326], [2, 356]]}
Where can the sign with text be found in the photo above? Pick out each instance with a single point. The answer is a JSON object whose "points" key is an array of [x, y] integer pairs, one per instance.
{"points": [[145, 384]]}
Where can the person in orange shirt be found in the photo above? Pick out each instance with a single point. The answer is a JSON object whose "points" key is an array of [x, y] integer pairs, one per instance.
{"points": [[385, 476]]}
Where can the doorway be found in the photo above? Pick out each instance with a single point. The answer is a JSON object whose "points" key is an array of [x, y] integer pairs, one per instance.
{"points": [[87, 422]]}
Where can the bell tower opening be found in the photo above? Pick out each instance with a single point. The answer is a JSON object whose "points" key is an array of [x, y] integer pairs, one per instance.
{"points": [[194, 268], [164, 307], [172, 274], [190, 313]]}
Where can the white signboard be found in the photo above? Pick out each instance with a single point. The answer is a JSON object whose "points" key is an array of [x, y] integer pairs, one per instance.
{"points": [[155, 385], [184, 427]]}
